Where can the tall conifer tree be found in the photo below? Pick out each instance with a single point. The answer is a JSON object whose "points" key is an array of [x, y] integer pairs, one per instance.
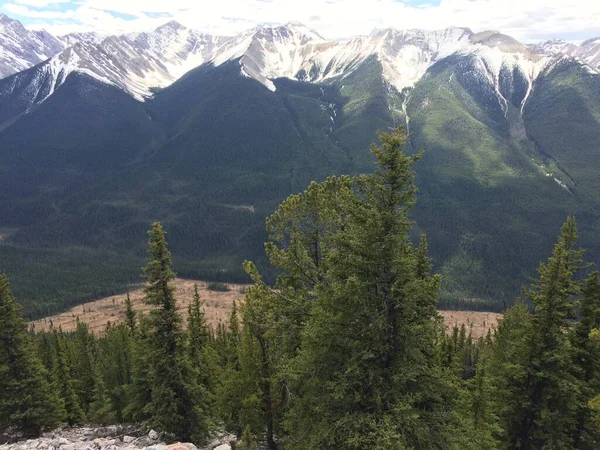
{"points": [[27, 401], [368, 365], [130, 316], [587, 359], [63, 381], [176, 404], [542, 390]]}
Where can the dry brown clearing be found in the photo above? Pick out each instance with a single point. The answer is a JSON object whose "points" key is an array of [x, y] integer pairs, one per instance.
{"points": [[217, 306]]}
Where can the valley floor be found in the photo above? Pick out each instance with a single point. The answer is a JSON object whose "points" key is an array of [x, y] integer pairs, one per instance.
{"points": [[217, 307]]}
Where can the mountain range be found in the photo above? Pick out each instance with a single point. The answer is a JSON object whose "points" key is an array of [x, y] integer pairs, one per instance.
{"points": [[99, 136]]}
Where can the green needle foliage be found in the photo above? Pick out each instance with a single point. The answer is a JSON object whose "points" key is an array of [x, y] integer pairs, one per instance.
{"points": [[346, 350], [177, 404], [27, 401], [130, 318], [587, 360], [542, 386], [64, 383], [356, 309]]}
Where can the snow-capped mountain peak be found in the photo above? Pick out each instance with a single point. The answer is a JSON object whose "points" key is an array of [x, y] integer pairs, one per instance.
{"points": [[171, 25], [21, 48], [553, 47], [588, 51], [5, 20], [295, 31], [136, 64], [294, 51], [89, 37], [139, 62], [267, 52]]}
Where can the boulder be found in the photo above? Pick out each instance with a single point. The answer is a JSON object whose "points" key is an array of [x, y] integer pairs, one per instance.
{"points": [[223, 447], [153, 435], [182, 446], [158, 447]]}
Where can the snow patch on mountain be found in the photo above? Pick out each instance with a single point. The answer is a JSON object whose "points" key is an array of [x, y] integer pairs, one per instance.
{"points": [[268, 52], [180, 49], [91, 37], [494, 53], [140, 62], [21, 49], [149, 61], [588, 51], [293, 51]]}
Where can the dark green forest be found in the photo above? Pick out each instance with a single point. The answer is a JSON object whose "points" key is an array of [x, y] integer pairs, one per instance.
{"points": [[344, 351], [215, 153]]}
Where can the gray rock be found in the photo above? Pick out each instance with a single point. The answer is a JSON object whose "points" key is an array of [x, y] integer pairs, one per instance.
{"points": [[189, 446], [89, 432], [112, 430], [128, 439], [158, 447], [223, 447], [153, 435]]}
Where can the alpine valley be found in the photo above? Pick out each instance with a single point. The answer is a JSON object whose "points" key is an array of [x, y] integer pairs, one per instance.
{"points": [[101, 135]]}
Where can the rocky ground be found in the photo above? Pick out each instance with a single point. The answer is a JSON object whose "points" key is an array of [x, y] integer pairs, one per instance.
{"points": [[110, 438]]}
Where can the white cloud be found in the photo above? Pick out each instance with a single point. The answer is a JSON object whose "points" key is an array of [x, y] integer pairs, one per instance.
{"points": [[20, 10], [41, 3], [527, 20]]}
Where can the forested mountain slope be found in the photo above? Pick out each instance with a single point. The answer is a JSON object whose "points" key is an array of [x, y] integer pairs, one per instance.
{"points": [[509, 137]]}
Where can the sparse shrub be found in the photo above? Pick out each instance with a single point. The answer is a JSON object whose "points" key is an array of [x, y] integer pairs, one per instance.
{"points": [[218, 287]]}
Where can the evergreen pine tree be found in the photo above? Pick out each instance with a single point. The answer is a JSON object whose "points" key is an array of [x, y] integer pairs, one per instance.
{"points": [[198, 335], [176, 404], [368, 365], [231, 383], [587, 359], [63, 382], [100, 408], [139, 390], [482, 411], [114, 365], [27, 402], [262, 354], [541, 390], [46, 352], [130, 317], [82, 366]]}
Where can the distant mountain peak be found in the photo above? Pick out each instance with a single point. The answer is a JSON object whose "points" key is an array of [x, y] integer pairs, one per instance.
{"points": [[300, 27], [21, 48], [139, 62], [494, 38], [592, 41], [4, 19], [172, 25], [296, 31]]}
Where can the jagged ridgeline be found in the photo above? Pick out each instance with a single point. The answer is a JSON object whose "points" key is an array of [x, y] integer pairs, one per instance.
{"points": [[109, 135]]}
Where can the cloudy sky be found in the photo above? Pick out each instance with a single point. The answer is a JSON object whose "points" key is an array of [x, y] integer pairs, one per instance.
{"points": [[527, 20]]}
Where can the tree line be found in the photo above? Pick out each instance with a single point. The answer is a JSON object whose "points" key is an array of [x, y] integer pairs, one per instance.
{"points": [[345, 350]]}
